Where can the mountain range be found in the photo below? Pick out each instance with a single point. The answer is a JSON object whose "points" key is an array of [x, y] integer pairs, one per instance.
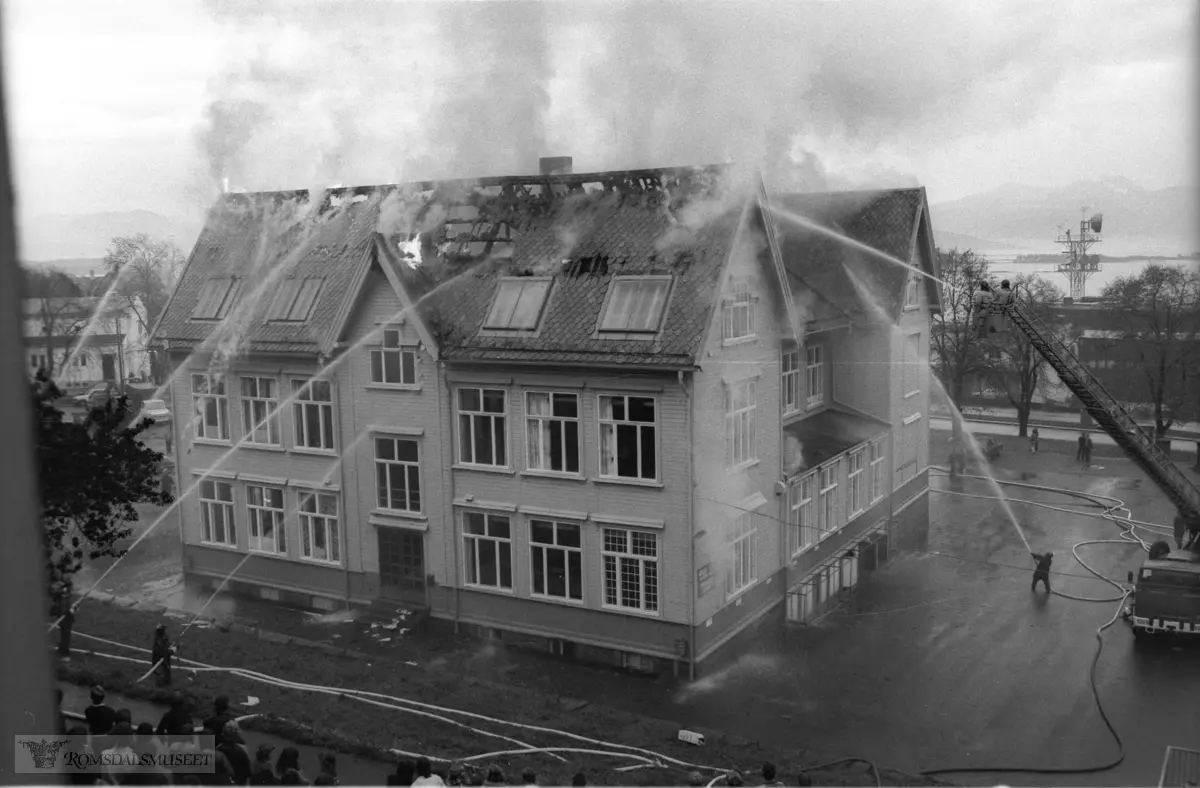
{"points": [[1012, 217]]}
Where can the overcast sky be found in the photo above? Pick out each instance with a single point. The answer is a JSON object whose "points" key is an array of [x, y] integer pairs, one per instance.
{"points": [[125, 104]]}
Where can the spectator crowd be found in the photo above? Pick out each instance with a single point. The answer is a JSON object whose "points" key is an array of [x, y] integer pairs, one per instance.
{"points": [[113, 732]]}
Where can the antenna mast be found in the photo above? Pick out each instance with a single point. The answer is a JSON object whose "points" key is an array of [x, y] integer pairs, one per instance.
{"points": [[1078, 266]]}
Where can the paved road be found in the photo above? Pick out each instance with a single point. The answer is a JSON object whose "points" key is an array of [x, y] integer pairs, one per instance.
{"points": [[1179, 448], [351, 771], [1071, 419]]}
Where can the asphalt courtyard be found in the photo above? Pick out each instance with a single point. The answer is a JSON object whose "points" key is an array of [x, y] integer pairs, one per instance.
{"points": [[946, 658]]}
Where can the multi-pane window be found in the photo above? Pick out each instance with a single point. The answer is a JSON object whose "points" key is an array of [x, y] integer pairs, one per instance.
{"points": [[487, 550], [216, 513], [216, 298], [260, 411], [212, 407], [876, 468], [630, 569], [265, 507], [827, 501], [312, 414], [912, 364], [556, 560], [628, 443], [518, 303], [855, 492], [744, 571], [737, 311], [397, 474], [552, 431], [790, 381], [481, 425], [802, 516], [815, 369], [391, 363], [911, 292], [740, 406], [636, 304], [319, 527]]}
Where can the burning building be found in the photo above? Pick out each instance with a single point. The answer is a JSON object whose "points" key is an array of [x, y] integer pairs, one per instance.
{"points": [[619, 416]]}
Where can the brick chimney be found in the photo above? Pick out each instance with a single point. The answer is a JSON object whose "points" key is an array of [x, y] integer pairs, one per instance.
{"points": [[555, 165]]}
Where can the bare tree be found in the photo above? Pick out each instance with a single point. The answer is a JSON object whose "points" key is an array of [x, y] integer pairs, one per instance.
{"points": [[1157, 313], [957, 350], [145, 271], [54, 306], [1017, 368]]}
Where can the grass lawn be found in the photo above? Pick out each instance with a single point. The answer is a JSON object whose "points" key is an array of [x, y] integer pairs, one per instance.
{"points": [[336, 722]]}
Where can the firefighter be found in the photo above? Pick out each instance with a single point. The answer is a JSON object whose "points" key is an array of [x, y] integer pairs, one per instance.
{"points": [[160, 655], [1181, 525], [982, 301], [1041, 574]]}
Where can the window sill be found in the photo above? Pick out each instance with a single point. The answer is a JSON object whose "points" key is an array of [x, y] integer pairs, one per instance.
{"points": [[557, 600], [912, 308], [813, 404], [263, 447], [265, 554], [210, 442], [745, 466], [393, 386], [631, 611], [913, 419], [567, 477], [736, 596], [315, 452], [746, 340], [232, 548], [629, 482], [912, 394], [793, 411], [321, 562], [503, 471], [397, 514], [488, 589]]}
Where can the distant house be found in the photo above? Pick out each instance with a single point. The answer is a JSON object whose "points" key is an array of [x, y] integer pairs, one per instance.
{"points": [[618, 416], [115, 348]]}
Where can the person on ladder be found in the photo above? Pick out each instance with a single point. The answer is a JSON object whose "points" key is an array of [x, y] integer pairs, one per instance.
{"points": [[982, 301]]}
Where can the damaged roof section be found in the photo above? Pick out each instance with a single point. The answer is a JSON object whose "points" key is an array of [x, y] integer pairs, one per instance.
{"points": [[828, 266]]}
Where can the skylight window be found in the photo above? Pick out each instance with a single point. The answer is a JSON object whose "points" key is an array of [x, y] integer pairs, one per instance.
{"points": [[518, 303], [294, 300], [216, 298], [636, 304]]}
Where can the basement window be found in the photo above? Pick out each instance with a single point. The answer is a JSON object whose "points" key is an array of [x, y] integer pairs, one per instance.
{"points": [[518, 303], [636, 304], [294, 300], [216, 297]]}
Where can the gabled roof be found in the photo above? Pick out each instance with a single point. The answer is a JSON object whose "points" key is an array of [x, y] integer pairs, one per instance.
{"points": [[887, 221]]}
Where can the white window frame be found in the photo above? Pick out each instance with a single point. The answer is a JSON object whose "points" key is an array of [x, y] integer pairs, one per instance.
{"points": [[391, 346], [257, 514], [497, 424], [211, 502], [737, 312], [827, 499], [410, 470], [855, 494], [743, 573], [814, 376], [543, 560], [741, 423], [912, 365], [220, 407], [613, 560], [616, 290], [536, 286], [304, 399], [471, 547], [876, 466], [260, 428], [803, 531], [539, 443], [310, 521], [912, 297], [789, 379], [613, 429]]}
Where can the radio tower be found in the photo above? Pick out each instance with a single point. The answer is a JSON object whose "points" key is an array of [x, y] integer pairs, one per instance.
{"points": [[1078, 266]]}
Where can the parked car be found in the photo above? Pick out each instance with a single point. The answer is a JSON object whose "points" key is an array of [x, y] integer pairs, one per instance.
{"points": [[97, 396], [154, 409]]}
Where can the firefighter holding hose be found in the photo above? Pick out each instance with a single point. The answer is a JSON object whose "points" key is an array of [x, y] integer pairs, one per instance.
{"points": [[160, 655], [1041, 573]]}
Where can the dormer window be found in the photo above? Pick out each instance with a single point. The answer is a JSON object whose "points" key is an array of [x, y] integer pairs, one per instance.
{"points": [[294, 300], [518, 304], [636, 304], [216, 298]]}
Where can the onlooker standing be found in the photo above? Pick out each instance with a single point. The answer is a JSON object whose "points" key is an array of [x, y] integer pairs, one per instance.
{"points": [[495, 776], [120, 754], [100, 716], [1033, 441], [406, 772], [176, 717], [216, 723], [425, 775], [328, 764], [768, 773], [1180, 524], [1082, 447], [529, 776], [580, 779], [261, 772], [289, 760], [233, 747], [1087, 452]]}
